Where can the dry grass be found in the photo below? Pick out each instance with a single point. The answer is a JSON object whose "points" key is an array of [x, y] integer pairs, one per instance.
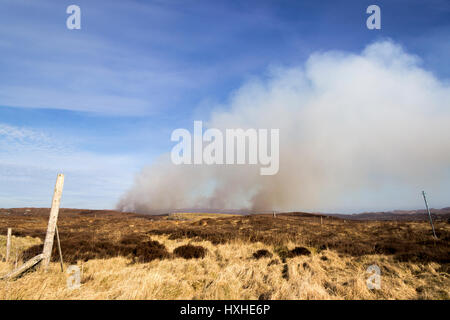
{"points": [[18, 245], [259, 257], [229, 271]]}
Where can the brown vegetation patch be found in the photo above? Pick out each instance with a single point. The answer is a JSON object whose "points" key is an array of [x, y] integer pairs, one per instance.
{"points": [[285, 272], [77, 249], [299, 251], [273, 262], [283, 253], [189, 251], [263, 253], [148, 251], [132, 239], [265, 296]]}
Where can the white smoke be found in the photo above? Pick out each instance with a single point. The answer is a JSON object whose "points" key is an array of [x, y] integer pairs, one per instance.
{"points": [[348, 122]]}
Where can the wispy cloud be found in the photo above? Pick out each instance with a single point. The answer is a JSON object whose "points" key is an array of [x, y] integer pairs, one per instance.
{"points": [[30, 160]]}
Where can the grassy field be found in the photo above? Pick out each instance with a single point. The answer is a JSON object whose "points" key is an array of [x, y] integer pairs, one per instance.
{"points": [[293, 256]]}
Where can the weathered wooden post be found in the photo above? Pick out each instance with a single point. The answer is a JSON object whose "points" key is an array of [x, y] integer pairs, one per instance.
{"points": [[8, 245], [53, 219]]}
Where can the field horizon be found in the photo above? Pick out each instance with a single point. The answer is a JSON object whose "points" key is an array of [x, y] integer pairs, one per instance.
{"points": [[444, 211]]}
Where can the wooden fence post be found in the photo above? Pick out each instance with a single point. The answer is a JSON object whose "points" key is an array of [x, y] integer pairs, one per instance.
{"points": [[53, 219], [8, 245]]}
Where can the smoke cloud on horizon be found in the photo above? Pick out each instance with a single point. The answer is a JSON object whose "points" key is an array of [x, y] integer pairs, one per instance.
{"points": [[350, 124]]}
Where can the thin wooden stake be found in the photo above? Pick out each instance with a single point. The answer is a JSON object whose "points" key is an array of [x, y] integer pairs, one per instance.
{"points": [[8, 245], [429, 214], [320, 220], [53, 219], [59, 249]]}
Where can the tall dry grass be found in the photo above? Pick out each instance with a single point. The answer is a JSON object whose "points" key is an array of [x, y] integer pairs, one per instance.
{"points": [[18, 245]]}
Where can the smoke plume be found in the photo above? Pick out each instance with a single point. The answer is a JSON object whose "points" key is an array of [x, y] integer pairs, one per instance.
{"points": [[348, 123]]}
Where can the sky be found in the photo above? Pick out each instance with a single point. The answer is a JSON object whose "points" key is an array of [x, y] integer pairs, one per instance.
{"points": [[99, 103]]}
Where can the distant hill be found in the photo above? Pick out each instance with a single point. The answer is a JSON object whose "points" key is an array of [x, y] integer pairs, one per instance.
{"points": [[407, 215], [437, 214]]}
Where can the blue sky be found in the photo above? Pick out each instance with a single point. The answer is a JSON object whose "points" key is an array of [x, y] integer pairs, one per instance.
{"points": [[100, 103]]}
